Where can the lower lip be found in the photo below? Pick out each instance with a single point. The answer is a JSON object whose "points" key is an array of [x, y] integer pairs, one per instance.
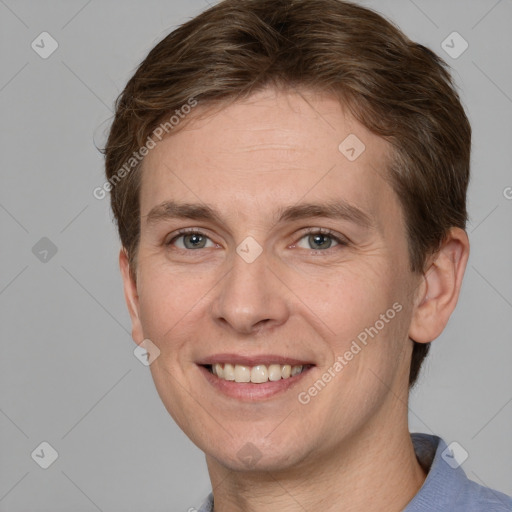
{"points": [[249, 391]]}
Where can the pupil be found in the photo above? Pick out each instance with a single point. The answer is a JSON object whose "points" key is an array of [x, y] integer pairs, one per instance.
{"points": [[195, 239], [317, 238]]}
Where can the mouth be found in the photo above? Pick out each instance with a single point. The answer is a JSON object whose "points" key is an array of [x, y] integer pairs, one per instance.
{"points": [[252, 379], [258, 374]]}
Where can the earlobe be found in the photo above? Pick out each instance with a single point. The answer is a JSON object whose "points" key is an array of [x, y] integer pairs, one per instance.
{"points": [[131, 296], [440, 288]]}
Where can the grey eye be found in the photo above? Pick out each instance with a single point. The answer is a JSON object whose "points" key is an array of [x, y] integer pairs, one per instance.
{"points": [[191, 241], [319, 241]]}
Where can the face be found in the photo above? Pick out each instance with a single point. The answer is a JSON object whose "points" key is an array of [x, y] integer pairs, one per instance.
{"points": [[263, 283]]}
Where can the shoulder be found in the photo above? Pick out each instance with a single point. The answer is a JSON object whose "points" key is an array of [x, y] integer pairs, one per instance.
{"points": [[207, 505], [476, 498], [447, 487]]}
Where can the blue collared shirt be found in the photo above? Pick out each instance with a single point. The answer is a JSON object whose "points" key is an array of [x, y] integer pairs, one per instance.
{"points": [[446, 488]]}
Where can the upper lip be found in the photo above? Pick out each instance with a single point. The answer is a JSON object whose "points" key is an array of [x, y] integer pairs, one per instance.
{"points": [[253, 360]]}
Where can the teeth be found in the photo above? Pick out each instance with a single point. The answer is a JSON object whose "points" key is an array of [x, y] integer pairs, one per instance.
{"points": [[218, 370], [242, 373], [259, 374], [256, 374], [229, 371], [296, 370], [274, 372]]}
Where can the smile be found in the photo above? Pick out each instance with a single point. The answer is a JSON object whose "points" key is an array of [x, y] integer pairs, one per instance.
{"points": [[257, 374], [253, 377]]}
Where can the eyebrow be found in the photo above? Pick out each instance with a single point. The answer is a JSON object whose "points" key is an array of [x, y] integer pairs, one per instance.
{"points": [[333, 209]]}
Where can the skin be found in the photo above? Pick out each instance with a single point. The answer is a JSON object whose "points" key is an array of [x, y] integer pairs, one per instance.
{"points": [[349, 446]]}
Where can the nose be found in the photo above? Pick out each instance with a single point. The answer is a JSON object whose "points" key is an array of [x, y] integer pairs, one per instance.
{"points": [[251, 297]]}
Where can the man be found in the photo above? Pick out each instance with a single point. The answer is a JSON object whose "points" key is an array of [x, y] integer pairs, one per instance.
{"points": [[291, 200]]}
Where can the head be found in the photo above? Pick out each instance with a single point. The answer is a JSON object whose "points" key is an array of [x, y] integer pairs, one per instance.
{"points": [[247, 110]]}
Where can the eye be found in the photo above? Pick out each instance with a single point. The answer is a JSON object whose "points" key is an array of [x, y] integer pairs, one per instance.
{"points": [[192, 239], [321, 239]]}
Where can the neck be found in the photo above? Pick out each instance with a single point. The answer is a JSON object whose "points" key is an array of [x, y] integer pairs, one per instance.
{"points": [[371, 471]]}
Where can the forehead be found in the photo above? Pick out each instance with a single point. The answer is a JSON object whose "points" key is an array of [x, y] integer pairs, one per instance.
{"points": [[269, 151]]}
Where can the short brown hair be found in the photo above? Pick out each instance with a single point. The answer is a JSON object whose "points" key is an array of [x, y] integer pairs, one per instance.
{"points": [[396, 88]]}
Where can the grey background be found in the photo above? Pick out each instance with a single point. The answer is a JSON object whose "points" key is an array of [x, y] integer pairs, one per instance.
{"points": [[68, 374]]}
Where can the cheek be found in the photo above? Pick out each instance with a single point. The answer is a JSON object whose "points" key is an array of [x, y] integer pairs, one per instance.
{"points": [[366, 340], [173, 304], [164, 303], [349, 303]]}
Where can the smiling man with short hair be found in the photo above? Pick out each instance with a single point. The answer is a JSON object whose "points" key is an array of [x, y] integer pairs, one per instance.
{"points": [[292, 243]]}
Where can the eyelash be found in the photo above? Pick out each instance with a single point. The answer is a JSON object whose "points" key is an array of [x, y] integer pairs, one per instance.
{"points": [[342, 242]]}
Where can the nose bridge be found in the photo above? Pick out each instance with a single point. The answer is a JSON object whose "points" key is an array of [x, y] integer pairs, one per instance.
{"points": [[250, 294]]}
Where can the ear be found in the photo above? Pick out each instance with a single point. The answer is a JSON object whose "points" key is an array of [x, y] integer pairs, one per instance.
{"points": [[131, 296], [438, 293]]}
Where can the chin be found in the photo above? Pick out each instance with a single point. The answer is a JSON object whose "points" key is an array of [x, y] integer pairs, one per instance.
{"points": [[257, 453]]}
